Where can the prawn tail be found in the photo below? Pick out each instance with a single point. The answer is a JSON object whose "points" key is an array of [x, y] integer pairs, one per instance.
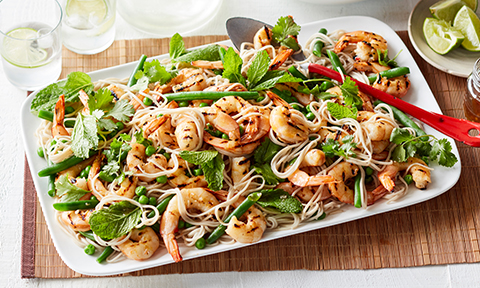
{"points": [[172, 247]]}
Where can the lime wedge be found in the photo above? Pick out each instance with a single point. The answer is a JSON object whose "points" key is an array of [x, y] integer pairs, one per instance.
{"points": [[447, 9], [472, 4], [93, 10], [468, 23], [440, 36], [23, 53]]}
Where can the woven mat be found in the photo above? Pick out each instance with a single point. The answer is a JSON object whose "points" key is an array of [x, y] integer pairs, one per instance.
{"points": [[443, 230]]}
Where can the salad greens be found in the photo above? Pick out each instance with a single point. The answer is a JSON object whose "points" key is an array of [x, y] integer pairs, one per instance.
{"points": [[211, 163], [116, 220]]}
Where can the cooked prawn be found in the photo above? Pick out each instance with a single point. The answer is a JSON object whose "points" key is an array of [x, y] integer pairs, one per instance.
{"points": [[127, 187], [287, 127], [186, 132], [180, 179], [58, 128], [78, 219], [137, 163], [397, 86], [141, 245], [240, 168], [377, 129], [367, 44], [194, 198], [314, 157], [417, 168], [207, 64], [94, 184]]}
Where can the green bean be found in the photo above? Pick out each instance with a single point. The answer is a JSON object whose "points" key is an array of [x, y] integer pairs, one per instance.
{"points": [[108, 250], [318, 46], [75, 205], [132, 80], [47, 115], [87, 234], [65, 164], [210, 95], [337, 65], [51, 182], [161, 206], [358, 197], [40, 152], [238, 212], [295, 73], [405, 120], [106, 177], [326, 85], [394, 72]]}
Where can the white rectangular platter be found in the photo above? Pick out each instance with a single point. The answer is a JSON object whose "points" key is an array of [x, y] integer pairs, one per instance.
{"points": [[420, 94]]}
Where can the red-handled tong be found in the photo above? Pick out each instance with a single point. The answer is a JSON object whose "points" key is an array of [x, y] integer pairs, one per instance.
{"points": [[458, 129]]}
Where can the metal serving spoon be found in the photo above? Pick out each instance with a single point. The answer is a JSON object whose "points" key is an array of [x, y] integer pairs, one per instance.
{"points": [[241, 29]]}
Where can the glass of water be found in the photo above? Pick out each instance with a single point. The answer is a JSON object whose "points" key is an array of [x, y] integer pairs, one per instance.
{"points": [[30, 42], [88, 25]]}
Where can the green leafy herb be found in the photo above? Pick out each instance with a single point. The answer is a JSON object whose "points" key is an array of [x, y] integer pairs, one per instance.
{"points": [[259, 68], [281, 200], [339, 111], [155, 72], [284, 28], [266, 171], [101, 100], [67, 191], [385, 61], [439, 150], [177, 46], [48, 97], [273, 77], [122, 111], [84, 136], [118, 149], [140, 139], [212, 165], [333, 148], [116, 220], [232, 64], [209, 53], [350, 92], [266, 151]]}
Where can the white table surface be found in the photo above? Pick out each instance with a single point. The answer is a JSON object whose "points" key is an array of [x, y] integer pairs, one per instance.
{"points": [[393, 12]]}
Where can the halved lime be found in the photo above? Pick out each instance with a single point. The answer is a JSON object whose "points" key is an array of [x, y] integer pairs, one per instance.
{"points": [[93, 10], [447, 9], [468, 23], [23, 53], [441, 36]]}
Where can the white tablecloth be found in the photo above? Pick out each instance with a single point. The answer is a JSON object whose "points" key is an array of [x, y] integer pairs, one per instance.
{"points": [[393, 12]]}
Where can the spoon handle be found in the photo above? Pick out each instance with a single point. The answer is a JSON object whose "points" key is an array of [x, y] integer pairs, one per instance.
{"points": [[458, 129]]}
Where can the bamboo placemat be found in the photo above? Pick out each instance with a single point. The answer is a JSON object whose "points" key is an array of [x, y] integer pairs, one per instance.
{"points": [[443, 230]]}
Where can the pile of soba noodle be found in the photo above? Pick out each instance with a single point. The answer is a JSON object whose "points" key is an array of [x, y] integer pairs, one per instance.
{"points": [[193, 209]]}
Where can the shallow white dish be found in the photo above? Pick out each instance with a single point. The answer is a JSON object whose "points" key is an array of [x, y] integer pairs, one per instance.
{"points": [[458, 62], [420, 95]]}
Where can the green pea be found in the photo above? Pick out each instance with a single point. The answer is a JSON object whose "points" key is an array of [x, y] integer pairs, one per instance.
{"points": [[84, 173], [183, 104], [181, 224], [53, 142], [40, 152], [162, 151], [260, 99], [323, 31], [200, 243], [368, 179], [188, 174], [310, 116], [167, 155], [120, 126], [150, 150], [188, 225], [152, 201], [147, 101], [308, 108], [408, 178], [69, 110], [203, 104], [242, 129], [143, 199], [225, 136], [198, 172], [159, 115], [368, 171], [105, 177], [141, 190], [93, 198], [296, 107], [162, 179], [89, 250], [135, 198]]}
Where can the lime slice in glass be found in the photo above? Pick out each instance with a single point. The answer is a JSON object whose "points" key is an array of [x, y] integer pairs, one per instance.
{"points": [[468, 23], [447, 9], [23, 53], [94, 11], [440, 36]]}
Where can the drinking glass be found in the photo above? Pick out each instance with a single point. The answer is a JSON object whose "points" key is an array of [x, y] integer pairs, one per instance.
{"points": [[88, 25], [30, 42]]}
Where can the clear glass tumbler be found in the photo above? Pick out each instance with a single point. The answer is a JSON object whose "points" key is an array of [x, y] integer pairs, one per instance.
{"points": [[88, 25], [30, 42]]}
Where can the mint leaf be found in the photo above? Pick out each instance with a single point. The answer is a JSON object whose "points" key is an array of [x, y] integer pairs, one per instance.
{"points": [[213, 171], [67, 191], [198, 157], [286, 26], [399, 154], [350, 92], [209, 53], [46, 98], [116, 220], [281, 200], [266, 172], [84, 136], [122, 111], [266, 151], [340, 112], [273, 77], [232, 64], [177, 46], [259, 68], [118, 149], [100, 100]]}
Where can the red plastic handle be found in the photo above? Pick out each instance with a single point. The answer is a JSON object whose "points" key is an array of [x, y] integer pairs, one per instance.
{"points": [[458, 129]]}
